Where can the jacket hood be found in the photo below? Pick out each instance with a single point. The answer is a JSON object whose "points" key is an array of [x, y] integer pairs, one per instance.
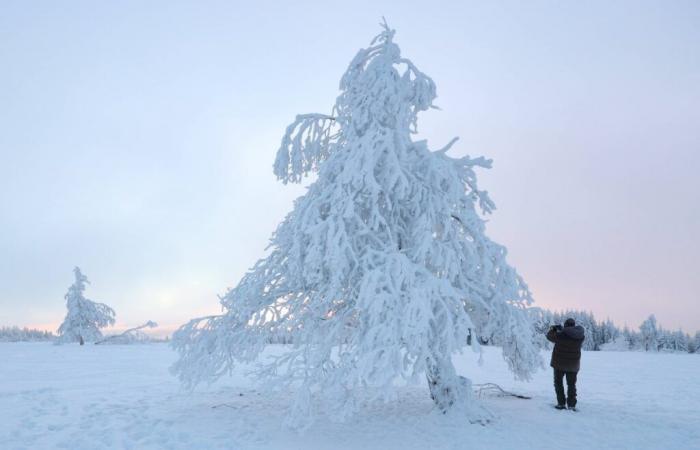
{"points": [[575, 332]]}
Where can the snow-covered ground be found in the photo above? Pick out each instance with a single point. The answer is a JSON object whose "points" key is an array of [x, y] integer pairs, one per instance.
{"points": [[95, 397]]}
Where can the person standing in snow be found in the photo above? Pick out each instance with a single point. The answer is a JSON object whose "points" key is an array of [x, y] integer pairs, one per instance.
{"points": [[566, 360]]}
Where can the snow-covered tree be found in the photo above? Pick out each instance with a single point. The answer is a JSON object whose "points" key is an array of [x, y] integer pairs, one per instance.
{"points": [[678, 341], [694, 344], [664, 339], [609, 332], [383, 269], [84, 317], [632, 338], [650, 334]]}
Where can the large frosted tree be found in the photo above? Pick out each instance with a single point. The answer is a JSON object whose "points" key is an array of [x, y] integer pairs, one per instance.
{"points": [[84, 317], [382, 270]]}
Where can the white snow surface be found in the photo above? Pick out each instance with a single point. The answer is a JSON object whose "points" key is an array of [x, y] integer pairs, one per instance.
{"points": [[99, 397]]}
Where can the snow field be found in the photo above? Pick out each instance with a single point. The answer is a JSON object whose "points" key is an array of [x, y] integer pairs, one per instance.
{"points": [[123, 397]]}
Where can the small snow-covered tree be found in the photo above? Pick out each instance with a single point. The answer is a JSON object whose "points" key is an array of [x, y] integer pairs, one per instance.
{"points": [[383, 268], [650, 334], [84, 317], [609, 332], [665, 339], [679, 341], [632, 338], [694, 343]]}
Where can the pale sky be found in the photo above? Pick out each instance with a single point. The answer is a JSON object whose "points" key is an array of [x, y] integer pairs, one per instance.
{"points": [[137, 141]]}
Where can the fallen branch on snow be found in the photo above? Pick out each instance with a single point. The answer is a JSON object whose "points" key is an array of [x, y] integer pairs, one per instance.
{"points": [[494, 389]]}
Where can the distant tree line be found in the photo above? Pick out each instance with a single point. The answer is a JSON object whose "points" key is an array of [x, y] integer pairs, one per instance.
{"points": [[131, 336], [17, 334], [649, 336]]}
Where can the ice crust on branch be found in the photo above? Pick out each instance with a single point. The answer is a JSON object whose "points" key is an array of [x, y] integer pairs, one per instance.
{"points": [[382, 270], [84, 317]]}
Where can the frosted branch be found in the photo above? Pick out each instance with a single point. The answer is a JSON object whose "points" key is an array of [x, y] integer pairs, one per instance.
{"points": [[305, 145]]}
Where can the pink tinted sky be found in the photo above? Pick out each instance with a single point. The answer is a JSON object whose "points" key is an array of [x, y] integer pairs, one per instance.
{"points": [[137, 143]]}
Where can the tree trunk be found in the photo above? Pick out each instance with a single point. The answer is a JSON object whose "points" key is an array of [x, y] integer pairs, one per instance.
{"points": [[447, 389], [81, 340]]}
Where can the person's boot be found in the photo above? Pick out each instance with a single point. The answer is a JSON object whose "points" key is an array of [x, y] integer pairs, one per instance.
{"points": [[560, 407], [572, 408]]}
